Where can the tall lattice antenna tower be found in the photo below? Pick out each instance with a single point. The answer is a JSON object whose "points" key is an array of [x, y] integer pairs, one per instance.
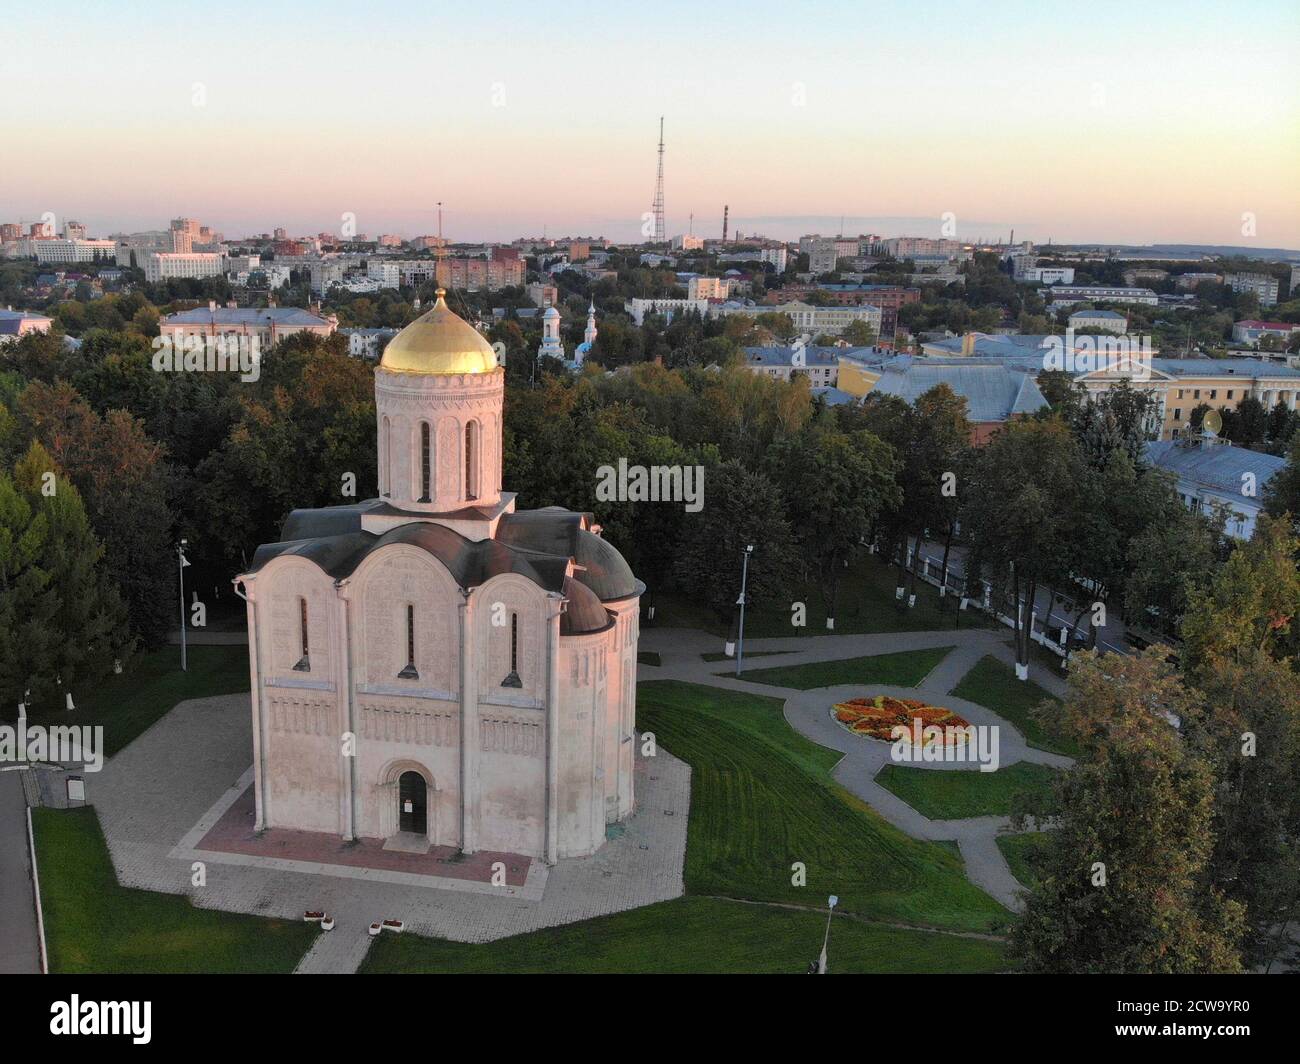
{"points": [[659, 189]]}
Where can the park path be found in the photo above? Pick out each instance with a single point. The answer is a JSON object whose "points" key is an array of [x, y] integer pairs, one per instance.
{"points": [[20, 951], [808, 712]]}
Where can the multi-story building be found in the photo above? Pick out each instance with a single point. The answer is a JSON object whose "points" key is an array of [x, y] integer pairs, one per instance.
{"points": [[819, 364], [714, 287], [132, 249], [687, 242], [639, 308], [1180, 385], [1046, 274], [64, 250], [887, 297], [1251, 331], [995, 392], [1067, 294], [815, 321], [1213, 474], [171, 265], [367, 343], [542, 295], [502, 268], [388, 274], [1262, 284], [1188, 281], [909, 247], [17, 323], [1107, 320], [267, 324]]}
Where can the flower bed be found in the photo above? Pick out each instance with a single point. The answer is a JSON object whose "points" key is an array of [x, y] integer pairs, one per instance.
{"points": [[876, 718]]}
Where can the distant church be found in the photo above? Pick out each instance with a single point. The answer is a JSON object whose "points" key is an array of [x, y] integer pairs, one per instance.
{"points": [[433, 667], [553, 347]]}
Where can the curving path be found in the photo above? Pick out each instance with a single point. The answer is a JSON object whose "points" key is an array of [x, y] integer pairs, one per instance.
{"points": [[809, 713]]}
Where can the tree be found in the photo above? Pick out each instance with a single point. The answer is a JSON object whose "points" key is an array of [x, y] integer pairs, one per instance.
{"points": [[741, 509], [858, 334], [1020, 513], [1248, 607], [1121, 885], [836, 485], [1282, 494], [122, 479], [64, 622]]}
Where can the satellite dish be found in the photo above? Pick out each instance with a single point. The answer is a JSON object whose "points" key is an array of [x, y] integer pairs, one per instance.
{"points": [[1212, 422]]}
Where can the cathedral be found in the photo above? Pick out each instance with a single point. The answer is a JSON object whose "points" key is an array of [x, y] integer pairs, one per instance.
{"points": [[433, 667]]}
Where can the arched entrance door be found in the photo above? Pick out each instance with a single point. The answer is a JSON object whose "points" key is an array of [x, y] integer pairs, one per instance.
{"points": [[412, 803]]}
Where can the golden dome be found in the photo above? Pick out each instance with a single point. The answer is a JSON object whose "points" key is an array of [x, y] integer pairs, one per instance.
{"points": [[439, 342]]}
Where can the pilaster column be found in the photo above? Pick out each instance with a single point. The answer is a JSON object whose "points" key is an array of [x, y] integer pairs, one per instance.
{"points": [[469, 741], [346, 716], [255, 687], [553, 730]]}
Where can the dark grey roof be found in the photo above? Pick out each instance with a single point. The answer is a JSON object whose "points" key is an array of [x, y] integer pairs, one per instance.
{"points": [[536, 544], [1219, 466], [558, 531], [244, 316]]}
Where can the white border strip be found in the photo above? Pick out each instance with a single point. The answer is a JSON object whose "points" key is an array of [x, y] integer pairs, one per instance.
{"points": [[36, 887]]}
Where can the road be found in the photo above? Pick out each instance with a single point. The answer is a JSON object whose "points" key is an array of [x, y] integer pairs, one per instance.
{"points": [[20, 951]]}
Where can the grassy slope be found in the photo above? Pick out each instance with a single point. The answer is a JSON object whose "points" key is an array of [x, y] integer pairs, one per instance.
{"points": [[994, 685], [947, 795], [866, 605], [127, 705], [762, 798], [93, 924], [905, 669], [706, 935], [1019, 850]]}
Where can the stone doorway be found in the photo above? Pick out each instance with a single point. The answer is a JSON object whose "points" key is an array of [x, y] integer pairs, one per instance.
{"points": [[412, 804]]}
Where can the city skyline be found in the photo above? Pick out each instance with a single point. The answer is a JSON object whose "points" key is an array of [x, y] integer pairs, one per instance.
{"points": [[1047, 130]]}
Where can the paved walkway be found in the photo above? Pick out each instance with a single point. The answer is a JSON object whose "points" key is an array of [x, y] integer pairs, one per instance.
{"points": [[809, 713], [153, 798], [20, 951]]}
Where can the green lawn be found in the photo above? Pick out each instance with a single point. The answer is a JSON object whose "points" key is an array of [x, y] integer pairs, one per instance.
{"points": [[693, 935], [153, 683], [762, 798], [994, 685], [95, 925], [866, 605], [719, 655], [905, 669], [942, 794], [648, 657], [1020, 851]]}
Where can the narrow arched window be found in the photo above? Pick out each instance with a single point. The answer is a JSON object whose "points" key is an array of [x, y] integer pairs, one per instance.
{"points": [[426, 463], [512, 679], [410, 672], [304, 663], [471, 474], [387, 455]]}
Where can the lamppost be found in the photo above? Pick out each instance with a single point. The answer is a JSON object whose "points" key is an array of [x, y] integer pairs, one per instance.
{"points": [[180, 569], [831, 902], [744, 580]]}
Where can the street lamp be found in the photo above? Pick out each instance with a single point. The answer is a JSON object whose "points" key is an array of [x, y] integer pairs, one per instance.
{"points": [[180, 569], [744, 579], [831, 902]]}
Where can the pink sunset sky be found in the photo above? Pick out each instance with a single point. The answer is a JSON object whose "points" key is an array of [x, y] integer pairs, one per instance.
{"points": [[1103, 122]]}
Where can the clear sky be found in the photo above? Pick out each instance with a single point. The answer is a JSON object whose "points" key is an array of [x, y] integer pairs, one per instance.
{"points": [[1130, 121]]}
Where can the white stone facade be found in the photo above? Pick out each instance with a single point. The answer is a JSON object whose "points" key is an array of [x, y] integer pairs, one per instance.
{"points": [[435, 636]]}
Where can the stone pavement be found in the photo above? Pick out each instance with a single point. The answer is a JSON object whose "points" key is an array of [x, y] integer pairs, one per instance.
{"points": [[20, 951], [153, 794], [809, 713]]}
